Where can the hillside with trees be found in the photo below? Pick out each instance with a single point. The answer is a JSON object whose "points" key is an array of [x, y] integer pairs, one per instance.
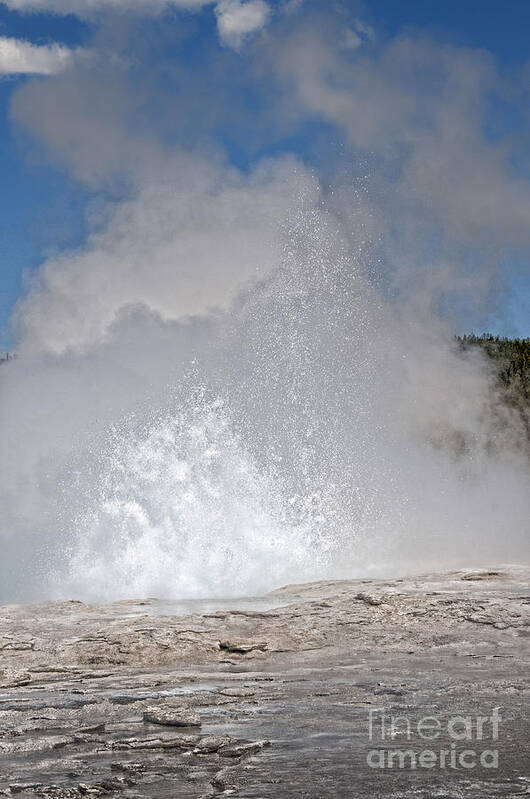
{"points": [[509, 360]]}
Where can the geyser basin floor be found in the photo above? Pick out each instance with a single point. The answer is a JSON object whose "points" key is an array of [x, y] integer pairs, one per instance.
{"points": [[77, 679]]}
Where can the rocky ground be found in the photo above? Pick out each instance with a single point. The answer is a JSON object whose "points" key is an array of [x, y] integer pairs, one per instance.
{"points": [[274, 698]]}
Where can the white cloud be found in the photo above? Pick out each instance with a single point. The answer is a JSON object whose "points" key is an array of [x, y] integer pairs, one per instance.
{"points": [[366, 31], [237, 20], [18, 57], [358, 35], [352, 40], [85, 8], [290, 6]]}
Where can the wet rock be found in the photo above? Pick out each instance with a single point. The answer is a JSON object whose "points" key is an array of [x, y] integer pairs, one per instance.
{"points": [[16, 645], [61, 792], [128, 766], [227, 779], [485, 618], [369, 599], [306, 675], [242, 647], [487, 575], [211, 743], [13, 678], [156, 742], [239, 749], [40, 744], [238, 692], [97, 790], [93, 729], [172, 716], [88, 739]]}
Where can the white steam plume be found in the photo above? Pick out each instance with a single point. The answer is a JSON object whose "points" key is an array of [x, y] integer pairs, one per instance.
{"points": [[222, 389], [181, 247]]}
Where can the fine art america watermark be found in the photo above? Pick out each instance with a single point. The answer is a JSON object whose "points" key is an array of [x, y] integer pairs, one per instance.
{"points": [[457, 742]]}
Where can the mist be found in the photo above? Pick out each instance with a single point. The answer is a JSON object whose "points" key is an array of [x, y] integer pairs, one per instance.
{"points": [[246, 374]]}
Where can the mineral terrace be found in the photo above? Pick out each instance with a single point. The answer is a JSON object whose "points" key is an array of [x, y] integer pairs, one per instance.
{"points": [[306, 692]]}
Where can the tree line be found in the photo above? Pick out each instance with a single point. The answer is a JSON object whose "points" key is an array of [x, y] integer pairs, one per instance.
{"points": [[509, 360]]}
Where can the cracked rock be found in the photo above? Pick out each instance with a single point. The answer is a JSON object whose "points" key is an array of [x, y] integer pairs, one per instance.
{"points": [[369, 598], [211, 743], [162, 742], [243, 647], [172, 716], [10, 678], [227, 780], [243, 749]]}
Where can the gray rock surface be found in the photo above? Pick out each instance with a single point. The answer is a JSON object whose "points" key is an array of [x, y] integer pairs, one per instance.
{"points": [[91, 696], [172, 715]]}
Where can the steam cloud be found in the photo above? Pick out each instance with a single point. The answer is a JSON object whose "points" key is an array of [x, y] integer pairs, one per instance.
{"points": [[18, 57], [245, 376]]}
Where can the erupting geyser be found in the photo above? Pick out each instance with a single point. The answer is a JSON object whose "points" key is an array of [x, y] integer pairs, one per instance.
{"points": [[307, 431]]}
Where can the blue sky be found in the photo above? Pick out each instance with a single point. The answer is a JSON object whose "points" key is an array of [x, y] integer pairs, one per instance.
{"points": [[500, 27], [44, 203], [39, 208]]}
